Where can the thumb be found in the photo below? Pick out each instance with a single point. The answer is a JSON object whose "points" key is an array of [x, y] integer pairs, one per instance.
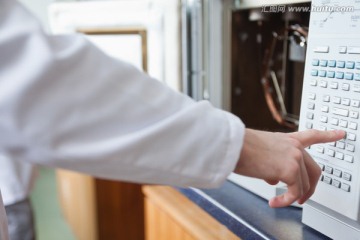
{"points": [[313, 136]]}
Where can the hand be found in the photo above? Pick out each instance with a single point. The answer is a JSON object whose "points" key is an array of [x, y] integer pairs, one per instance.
{"points": [[281, 157]]}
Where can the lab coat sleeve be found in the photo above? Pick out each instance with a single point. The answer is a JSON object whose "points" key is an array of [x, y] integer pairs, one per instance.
{"points": [[65, 104]]}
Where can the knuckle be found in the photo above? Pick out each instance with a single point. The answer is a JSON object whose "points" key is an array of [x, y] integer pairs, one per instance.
{"points": [[293, 169], [295, 143], [297, 154]]}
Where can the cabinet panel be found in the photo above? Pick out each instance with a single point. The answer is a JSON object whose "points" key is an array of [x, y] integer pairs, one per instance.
{"points": [[170, 215]]}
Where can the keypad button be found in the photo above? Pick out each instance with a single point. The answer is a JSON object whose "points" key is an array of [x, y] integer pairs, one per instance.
{"points": [[357, 77], [337, 173], [322, 73], [349, 147], [342, 49], [336, 100], [314, 72], [343, 123], [322, 166], [334, 121], [310, 116], [323, 63], [353, 126], [309, 125], [330, 74], [328, 169], [333, 144], [340, 64], [339, 155], [353, 50], [327, 180], [340, 145], [345, 87], [322, 49], [325, 109], [351, 136], [355, 103], [354, 114], [336, 183], [313, 82], [349, 76], [332, 63], [345, 187], [357, 65], [350, 65], [315, 62], [311, 106], [324, 119], [347, 176], [326, 98], [320, 149], [322, 128], [334, 85], [339, 75], [323, 84], [349, 158], [345, 101], [330, 153], [312, 96], [357, 88], [341, 112]]}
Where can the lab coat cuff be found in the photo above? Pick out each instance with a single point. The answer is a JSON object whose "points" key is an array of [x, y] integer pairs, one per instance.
{"points": [[232, 154]]}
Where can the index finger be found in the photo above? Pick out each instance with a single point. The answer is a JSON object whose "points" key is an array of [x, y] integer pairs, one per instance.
{"points": [[310, 137]]}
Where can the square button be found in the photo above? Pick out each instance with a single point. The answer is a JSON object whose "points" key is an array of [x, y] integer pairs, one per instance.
{"points": [[339, 155], [313, 82], [339, 75], [349, 158], [350, 147], [314, 72], [322, 73], [330, 74], [345, 187], [342, 49], [330, 153], [350, 65], [340, 145], [312, 96], [345, 101], [336, 100], [345, 87], [357, 77], [336, 183], [347, 176], [311, 106], [332, 63], [357, 65], [315, 62], [323, 63], [310, 116], [320, 149], [351, 136], [323, 84], [354, 114], [349, 76], [309, 125], [355, 103], [324, 119], [340, 64], [325, 109], [337, 172], [353, 126], [326, 98], [343, 123], [334, 121]]}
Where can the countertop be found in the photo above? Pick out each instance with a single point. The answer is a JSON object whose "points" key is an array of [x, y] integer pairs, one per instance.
{"points": [[249, 216]]}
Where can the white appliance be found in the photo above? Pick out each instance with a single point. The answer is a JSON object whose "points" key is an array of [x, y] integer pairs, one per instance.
{"points": [[331, 100]]}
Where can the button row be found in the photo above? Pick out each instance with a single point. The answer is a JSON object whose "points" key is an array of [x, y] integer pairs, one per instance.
{"points": [[338, 100], [337, 64], [341, 50], [335, 183], [336, 172], [338, 75], [334, 85]]}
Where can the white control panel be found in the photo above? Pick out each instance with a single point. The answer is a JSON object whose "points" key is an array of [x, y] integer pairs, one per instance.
{"points": [[331, 100]]}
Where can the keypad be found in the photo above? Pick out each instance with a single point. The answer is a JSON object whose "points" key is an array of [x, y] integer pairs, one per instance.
{"points": [[334, 103]]}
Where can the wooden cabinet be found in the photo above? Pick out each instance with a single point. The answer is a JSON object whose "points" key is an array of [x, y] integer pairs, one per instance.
{"points": [[100, 209], [170, 215]]}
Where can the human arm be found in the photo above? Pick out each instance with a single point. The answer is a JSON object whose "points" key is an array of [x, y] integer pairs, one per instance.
{"points": [[278, 157], [64, 103]]}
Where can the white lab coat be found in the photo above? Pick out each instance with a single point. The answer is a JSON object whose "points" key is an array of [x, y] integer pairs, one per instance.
{"points": [[64, 103]]}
